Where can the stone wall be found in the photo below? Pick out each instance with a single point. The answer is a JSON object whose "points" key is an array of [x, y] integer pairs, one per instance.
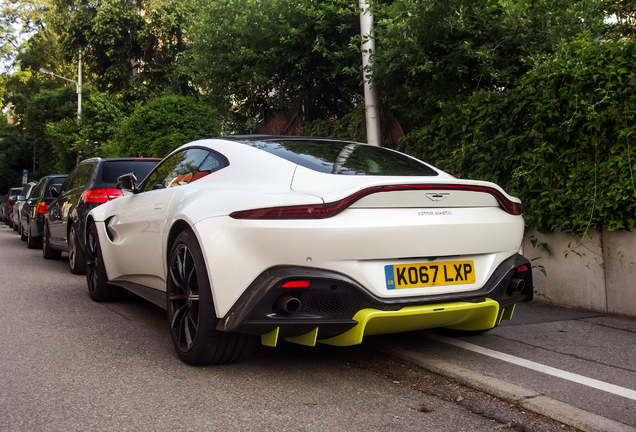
{"points": [[596, 272]]}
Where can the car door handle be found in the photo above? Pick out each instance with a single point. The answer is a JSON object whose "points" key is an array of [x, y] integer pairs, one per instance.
{"points": [[158, 206]]}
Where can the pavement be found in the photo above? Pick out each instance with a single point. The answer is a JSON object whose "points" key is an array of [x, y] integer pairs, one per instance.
{"points": [[563, 381]]}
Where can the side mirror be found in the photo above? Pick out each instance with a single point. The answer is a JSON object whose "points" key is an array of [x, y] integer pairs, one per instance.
{"points": [[54, 192], [127, 182], [21, 198]]}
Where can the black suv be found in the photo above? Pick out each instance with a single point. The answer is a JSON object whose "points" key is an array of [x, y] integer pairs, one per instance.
{"points": [[33, 209], [91, 183]]}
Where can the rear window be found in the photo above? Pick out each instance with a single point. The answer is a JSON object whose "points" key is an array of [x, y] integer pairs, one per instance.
{"points": [[345, 158], [114, 169]]}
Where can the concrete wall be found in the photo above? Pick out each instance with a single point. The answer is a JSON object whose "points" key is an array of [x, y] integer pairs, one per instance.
{"points": [[595, 272]]}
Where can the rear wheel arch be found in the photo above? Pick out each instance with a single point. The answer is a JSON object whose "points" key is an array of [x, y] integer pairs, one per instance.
{"points": [[89, 220], [191, 311], [177, 228]]}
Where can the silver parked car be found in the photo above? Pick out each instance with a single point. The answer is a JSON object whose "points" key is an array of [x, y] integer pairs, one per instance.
{"points": [[17, 206]]}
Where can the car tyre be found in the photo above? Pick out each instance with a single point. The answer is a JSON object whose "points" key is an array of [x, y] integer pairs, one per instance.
{"points": [[76, 256], [96, 277], [23, 235], [47, 251], [32, 242], [191, 312]]}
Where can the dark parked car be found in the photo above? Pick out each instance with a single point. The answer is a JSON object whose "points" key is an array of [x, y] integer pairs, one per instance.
{"points": [[32, 215], [91, 183], [17, 207], [11, 198], [3, 206]]}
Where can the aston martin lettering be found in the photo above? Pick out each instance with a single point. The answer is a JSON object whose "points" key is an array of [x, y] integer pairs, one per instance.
{"points": [[423, 275], [435, 213]]}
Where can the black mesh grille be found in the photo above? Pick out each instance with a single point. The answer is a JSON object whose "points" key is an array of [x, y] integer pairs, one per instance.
{"points": [[330, 302]]}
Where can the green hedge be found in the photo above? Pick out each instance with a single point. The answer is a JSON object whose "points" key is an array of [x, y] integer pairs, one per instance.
{"points": [[165, 123], [562, 140]]}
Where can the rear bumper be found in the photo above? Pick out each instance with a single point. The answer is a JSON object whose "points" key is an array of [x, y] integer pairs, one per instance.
{"points": [[337, 310], [36, 225]]}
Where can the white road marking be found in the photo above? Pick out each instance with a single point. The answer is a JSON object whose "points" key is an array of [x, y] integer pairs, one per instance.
{"points": [[580, 379]]}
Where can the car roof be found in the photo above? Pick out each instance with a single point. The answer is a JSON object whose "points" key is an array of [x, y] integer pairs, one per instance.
{"points": [[116, 159], [261, 137]]}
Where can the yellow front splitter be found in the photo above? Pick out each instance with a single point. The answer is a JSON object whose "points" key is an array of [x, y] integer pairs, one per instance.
{"points": [[457, 316]]}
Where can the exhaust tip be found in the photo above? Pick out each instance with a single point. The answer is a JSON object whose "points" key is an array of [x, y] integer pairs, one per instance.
{"points": [[288, 303], [516, 285]]}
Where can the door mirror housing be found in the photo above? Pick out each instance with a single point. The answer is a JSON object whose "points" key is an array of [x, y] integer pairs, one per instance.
{"points": [[127, 182]]}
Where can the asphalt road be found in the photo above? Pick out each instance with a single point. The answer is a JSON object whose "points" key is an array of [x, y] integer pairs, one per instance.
{"points": [[70, 364], [583, 359]]}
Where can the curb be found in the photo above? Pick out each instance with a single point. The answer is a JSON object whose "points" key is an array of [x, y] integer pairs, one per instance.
{"points": [[525, 398]]}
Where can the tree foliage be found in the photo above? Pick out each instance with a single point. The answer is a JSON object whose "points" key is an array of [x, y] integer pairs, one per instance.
{"points": [[19, 19], [164, 124], [535, 95], [432, 51], [259, 57], [51, 121], [130, 47], [562, 140], [15, 155]]}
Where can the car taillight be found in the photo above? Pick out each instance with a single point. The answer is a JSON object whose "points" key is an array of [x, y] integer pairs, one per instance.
{"points": [[100, 196], [318, 211], [42, 207], [296, 284]]}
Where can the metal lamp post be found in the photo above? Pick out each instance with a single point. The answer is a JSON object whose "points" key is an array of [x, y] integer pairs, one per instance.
{"points": [[78, 83]]}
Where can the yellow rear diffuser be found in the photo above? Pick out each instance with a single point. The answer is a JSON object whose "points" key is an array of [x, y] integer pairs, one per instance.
{"points": [[308, 339], [457, 316]]}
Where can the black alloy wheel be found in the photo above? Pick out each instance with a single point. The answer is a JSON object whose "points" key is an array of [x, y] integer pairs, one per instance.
{"points": [[96, 277], [191, 310], [47, 251], [76, 256]]}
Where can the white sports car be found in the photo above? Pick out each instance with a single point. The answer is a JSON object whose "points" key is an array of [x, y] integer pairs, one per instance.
{"points": [[307, 240]]}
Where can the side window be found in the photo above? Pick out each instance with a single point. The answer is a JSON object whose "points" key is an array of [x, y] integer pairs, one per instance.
{"points": [[211, 163], [87, 175], [57, 184], [177, 170], [80, 177], [38, 190], [28, 191], [68, 183]]}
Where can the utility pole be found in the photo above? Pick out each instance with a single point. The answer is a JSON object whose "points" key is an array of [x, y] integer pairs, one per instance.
{"points": [[371, 94], [79, 86]]}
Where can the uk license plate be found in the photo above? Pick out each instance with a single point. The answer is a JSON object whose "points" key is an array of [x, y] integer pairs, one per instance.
{"points": [[429, 274]]}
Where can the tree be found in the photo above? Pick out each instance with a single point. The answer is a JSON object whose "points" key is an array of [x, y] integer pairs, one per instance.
{"points": [[51, 121], [431, 52], [15, 155], [19, 19], [162, 125], [255, 58], [132, 48]]}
